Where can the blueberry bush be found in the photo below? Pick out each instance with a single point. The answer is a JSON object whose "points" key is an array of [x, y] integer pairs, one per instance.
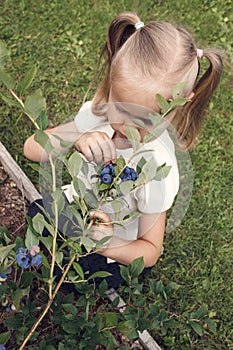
{"points": [[38, 314]]}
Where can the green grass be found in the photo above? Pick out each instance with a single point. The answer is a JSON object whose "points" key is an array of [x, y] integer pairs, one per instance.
{"points": [[64, 38]]}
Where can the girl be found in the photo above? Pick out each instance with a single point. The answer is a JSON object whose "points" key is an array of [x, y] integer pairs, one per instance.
{"points": [[142, 60]]}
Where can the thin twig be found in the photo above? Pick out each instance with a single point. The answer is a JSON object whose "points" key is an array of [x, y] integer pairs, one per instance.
{"points": [[38, 321]]}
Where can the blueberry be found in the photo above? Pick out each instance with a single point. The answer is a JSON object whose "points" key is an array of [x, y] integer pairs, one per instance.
{"points": [[127, 170], [134, 175], [111, 168], [8, 309], [36, 260], [23, 260], [3, 275], [126, 177], [105, 170], [106, 179], [21, 250]]}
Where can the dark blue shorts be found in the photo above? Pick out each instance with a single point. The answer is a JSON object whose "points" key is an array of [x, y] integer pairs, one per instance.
{"points": [[90, 263]]}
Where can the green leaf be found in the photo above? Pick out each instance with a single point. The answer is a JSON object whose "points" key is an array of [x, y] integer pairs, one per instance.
{"points": [[59, 257], [9, 101], [162, 172], [133, 136], [139, 122], [16, 297], [196, 326], [31, 238], [211, 325], [91, 199], [4, 251], [42, 120], [26, 280], [103, 187], [177, 89], [45, 262], [38, 223], [140, 164], [43, 139], [178, 102], [47, 241], [79, 187], [4, 54], [201, 312], [4, 337], [136, 267], [134, 214], [74, 164], [148, 137], [120, 162], [35, 104], [78, 269], [149, 170], [116, 205], [14, 322], [101, 274], [59, 199], [155, 118], [27, 80], [70, 309], [88, 243], [126, 186], [102, 242], [162, 103], [6, 79]]}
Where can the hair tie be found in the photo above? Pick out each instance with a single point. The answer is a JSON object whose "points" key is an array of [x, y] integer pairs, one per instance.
{"points": [[200, 53], [138, 25]]}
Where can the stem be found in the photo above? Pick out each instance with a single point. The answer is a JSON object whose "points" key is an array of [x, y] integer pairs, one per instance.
{"points": [[55, 228], [23, 106], [36, 324]]}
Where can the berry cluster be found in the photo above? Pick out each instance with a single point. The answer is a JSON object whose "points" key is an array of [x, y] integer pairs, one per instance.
{"points": [[108, 173], [26, 258], [129, 174]]}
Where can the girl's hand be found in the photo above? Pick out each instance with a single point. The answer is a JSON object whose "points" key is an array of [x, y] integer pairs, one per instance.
{"points": [[96, 146], [103, 228]]}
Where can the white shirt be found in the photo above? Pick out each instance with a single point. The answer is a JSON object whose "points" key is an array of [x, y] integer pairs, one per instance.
{"points": [[155, 196]]}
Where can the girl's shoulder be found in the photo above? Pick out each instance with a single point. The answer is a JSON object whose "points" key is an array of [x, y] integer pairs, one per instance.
{"points": [[86, 121]]}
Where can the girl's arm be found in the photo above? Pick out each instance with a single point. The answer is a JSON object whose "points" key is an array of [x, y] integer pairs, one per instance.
{"points": [[33, 151], [95, 146], [148, 245]]}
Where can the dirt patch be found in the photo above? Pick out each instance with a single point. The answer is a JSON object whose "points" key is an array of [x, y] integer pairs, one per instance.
{"points": [[13, 206]]}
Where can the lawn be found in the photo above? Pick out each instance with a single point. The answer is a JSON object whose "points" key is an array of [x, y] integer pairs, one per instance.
{"points": [[64, 38]]}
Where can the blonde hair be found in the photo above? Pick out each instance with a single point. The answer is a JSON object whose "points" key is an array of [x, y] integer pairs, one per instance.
{"points": [[161, 55]]}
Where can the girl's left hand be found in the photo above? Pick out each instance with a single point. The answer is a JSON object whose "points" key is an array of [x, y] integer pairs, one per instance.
{"points": [[103, 228]]}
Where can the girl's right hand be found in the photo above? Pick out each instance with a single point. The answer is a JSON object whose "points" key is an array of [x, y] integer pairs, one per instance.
{"points": [[96, 146]]}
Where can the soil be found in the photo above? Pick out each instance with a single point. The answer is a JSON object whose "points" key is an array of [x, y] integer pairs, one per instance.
{"points": [[13, 209], [13, 206]]}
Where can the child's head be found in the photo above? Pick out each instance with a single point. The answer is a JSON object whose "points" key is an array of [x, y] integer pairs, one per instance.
{"points": [[144, 60]]}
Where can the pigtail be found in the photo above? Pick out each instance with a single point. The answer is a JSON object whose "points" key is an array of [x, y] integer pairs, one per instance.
{"points": [[192, 114], [121, 28]]}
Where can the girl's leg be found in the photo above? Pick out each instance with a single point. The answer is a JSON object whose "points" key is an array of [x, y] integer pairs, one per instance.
{"points": [[91, 263]]}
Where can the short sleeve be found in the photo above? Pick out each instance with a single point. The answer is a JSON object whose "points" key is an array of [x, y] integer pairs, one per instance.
{"points": [[86, 121], [158, 196]]}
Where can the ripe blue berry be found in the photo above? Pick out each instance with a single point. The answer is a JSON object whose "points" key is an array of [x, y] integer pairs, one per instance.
{"points": [[36, 260], [106, 179], [23, 260]]}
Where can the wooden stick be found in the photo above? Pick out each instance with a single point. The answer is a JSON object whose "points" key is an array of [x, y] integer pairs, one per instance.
{"points": [[18, 176]]}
